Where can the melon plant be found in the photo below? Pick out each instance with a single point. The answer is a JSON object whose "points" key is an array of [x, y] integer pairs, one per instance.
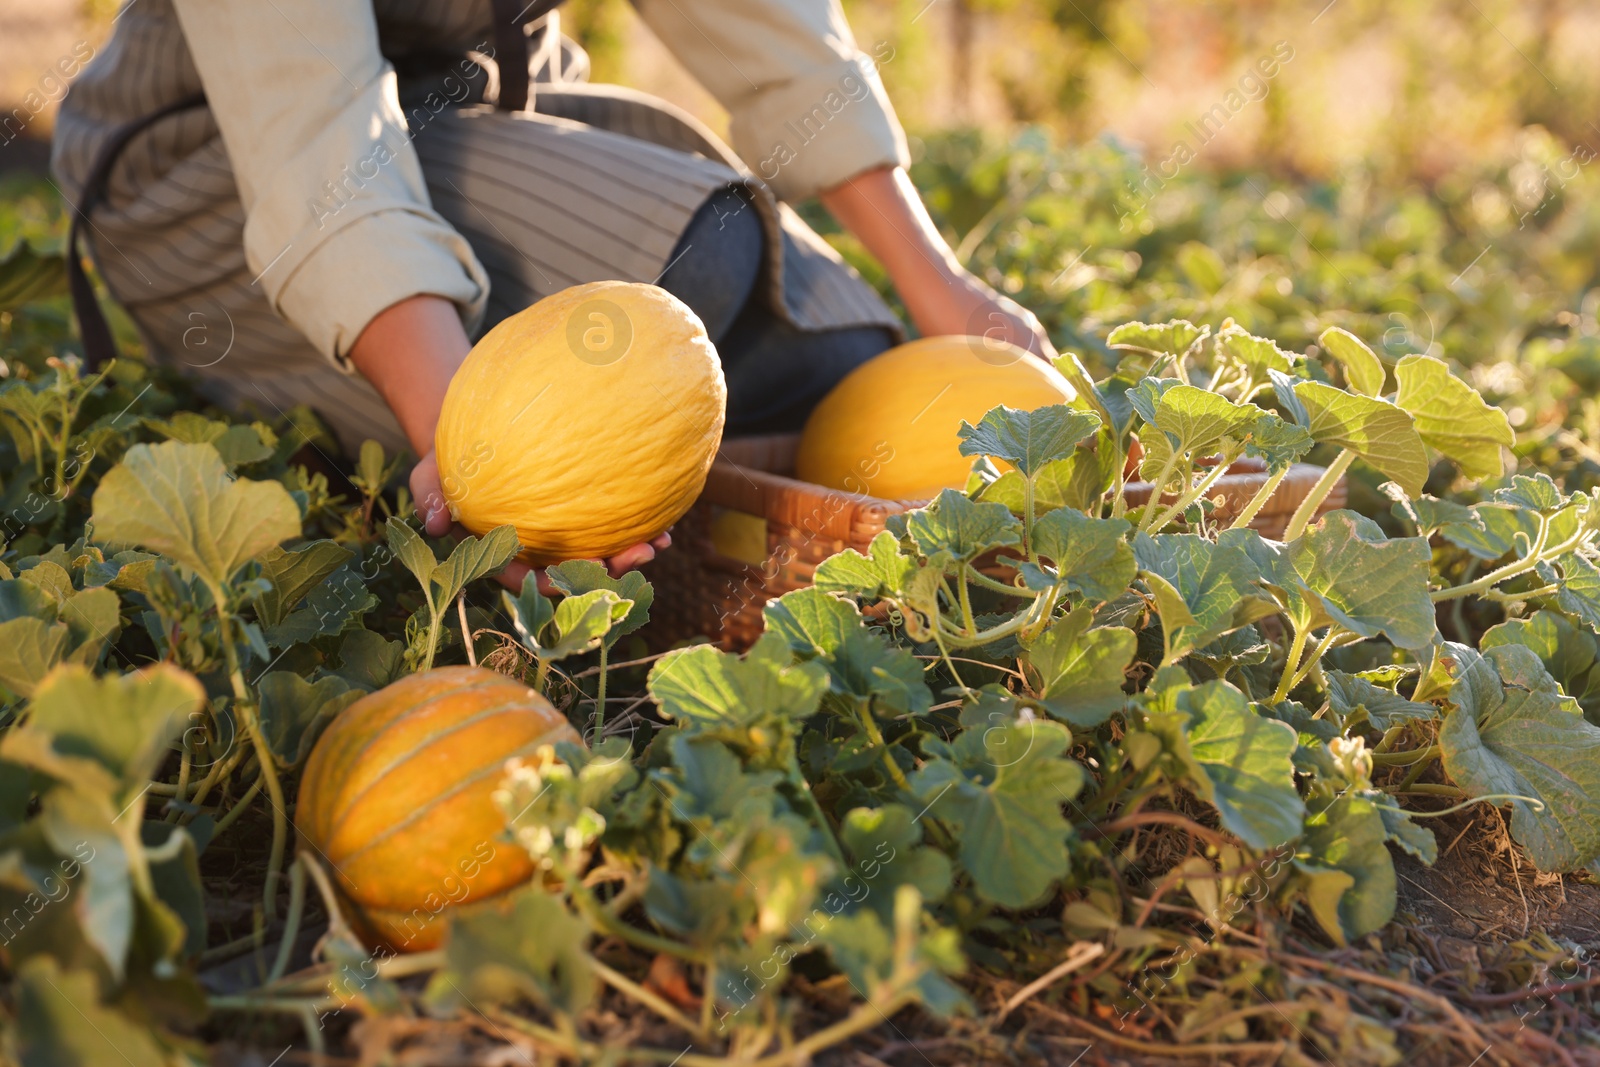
{"points": [[1145, 727]]}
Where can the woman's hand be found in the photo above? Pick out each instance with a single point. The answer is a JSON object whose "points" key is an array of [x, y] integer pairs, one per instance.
{"points": [[409, 352], [436, 521], [970, 307], [882, 208]]}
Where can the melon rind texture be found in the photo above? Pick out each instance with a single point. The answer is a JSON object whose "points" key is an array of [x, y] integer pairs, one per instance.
{"points": [[587, 421], [889, 429]]}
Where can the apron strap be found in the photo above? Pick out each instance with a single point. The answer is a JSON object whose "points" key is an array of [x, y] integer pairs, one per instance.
{"points": [[511, 48], [98, 345], [511, 54]]}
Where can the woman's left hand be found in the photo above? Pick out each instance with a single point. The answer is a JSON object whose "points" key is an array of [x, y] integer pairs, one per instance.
{"points": [[882, 208], [959, 303]]}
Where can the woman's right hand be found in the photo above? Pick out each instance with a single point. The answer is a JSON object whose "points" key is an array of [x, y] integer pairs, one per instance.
{"points": [[409, 352], [434, 512]]}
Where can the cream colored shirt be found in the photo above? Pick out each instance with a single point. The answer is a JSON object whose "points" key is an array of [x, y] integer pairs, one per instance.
{"points": [[304, 98]]}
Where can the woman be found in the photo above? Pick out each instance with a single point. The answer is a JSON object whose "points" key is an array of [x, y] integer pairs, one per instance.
{"points": [[309, 201]]}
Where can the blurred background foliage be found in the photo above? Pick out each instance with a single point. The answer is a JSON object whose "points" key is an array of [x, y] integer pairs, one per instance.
{"points": [[1409, 89], [1422, 172]]}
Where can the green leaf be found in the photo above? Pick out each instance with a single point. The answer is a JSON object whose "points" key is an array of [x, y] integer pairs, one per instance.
{"points": [[1214, 585], [72, 819], [29, 649], [883, 573], [1431, 515], [94, 619], [1568, 653], [582, 622], [1091, 555], [329, 608], [1375, 430], [1195, 420], [1404, 831], [524, 945], [1283, 386], [711, 786], [1081, 670], [179, 500], [886, 846], [1238, 761], [112, 730], [1452, 417], [1003, 789], [1367, 583], [60, 1022], [368, 661], [294, 573], [702, 911], [954, 524], [1384, 708], [1349, 875], [1028, 439], [16, 793], [869, 953], [746, 839], [472, 558], [294, 711], [530, 611], [1277, 442], [1536, 492], [412, 551], [861, 663], [1167, 338], [49, 576], [237, 444], [372, 473], [1256, 355], [1146, 396], [578, 576], [706, 686], [1493, 531], [1362, 367], [129, 571], [1243, 647], [27, 275], [21, 598], [1579, 582], [176, 880], [1514, 732]]}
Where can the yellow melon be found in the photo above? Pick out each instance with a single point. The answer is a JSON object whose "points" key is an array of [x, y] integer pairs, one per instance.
{"points": [[889, 429], [587, 421], [397, 798]]}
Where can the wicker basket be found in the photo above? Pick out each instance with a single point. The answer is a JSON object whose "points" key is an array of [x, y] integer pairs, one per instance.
{"points": [[756, 533]]}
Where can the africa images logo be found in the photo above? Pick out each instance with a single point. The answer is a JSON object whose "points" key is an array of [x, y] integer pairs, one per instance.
{"points": [[599, 332]]}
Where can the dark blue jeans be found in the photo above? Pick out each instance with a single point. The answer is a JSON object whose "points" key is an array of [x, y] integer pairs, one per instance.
{"points": [[776, 373]]}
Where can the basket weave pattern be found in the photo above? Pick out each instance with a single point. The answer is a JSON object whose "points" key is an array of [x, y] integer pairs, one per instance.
{"points": [[756, 533]]}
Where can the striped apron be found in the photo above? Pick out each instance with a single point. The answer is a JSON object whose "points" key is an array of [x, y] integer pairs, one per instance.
{"points": [[587, 182]]}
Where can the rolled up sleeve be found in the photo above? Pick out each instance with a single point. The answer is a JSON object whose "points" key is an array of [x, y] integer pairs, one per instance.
{"points": [[807, 106], [338, 224]]}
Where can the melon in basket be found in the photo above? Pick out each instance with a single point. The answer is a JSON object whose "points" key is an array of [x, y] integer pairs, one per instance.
{"points": [[889, 429], [398, 798]]}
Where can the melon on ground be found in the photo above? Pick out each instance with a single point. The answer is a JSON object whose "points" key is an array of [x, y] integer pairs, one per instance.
{"points": [[397, 798]]}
